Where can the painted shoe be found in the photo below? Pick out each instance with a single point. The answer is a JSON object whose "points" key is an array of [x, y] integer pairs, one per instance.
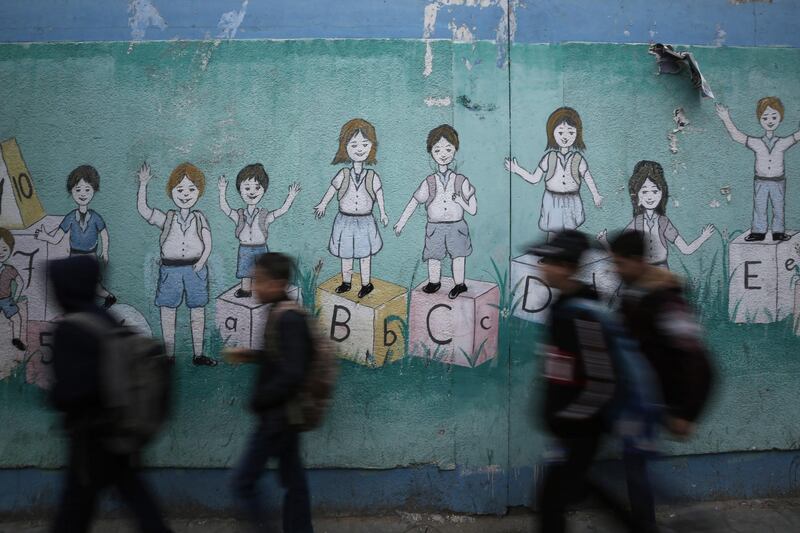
{"points": [[19, 345], [458, 289], [344, 287], [202, 360], [241, 293], [366, 289], [109, 301], [431, 288], [780, 236], [755, 237]]}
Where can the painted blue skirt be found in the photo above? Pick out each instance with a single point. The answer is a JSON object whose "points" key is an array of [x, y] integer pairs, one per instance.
{"points": [[355, 236]]}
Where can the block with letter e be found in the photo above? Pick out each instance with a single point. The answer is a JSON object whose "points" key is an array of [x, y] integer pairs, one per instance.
{"points": [[462, 331], [762, 277], [369, 330], [241, 321]]}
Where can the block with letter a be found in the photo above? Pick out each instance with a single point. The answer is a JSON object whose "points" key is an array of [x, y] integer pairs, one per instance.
{"points": [[369, 330], [462, 331], [533, 296], [762, 278], [30, 258], [241, 321], [19, 204]]}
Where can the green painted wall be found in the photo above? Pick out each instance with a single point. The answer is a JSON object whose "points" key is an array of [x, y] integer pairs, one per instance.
{"points": [[223, 105]]}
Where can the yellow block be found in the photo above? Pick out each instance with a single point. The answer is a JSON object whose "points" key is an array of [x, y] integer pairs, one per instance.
{"points": [[362, 328], [19, 204]]}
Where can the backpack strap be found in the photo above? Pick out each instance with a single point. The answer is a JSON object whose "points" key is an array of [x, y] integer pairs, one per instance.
{"points": [[370, 177], [167, 226], [262, 222], [575, 167], [431, 181], [345, 182], [240, 217], [552, 159], [198, 224], [459, 186]]}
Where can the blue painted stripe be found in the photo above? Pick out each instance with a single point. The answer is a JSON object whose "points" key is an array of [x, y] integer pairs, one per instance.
{"points": [[619, 21]]}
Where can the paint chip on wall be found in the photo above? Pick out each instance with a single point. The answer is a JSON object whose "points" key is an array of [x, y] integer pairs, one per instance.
{"points": [[433, 101], [143, 15], [230, 21]]}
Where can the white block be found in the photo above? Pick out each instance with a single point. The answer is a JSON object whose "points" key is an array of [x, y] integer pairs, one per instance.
{"points": [[761, 279], [533, 296], [241, 321], [30, 258]]}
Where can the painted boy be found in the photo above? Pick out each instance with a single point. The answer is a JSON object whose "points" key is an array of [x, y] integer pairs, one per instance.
{"points": [[88, 234], [252, 222], [446, 195], [12, 306], [185, 248], [770, 175]]}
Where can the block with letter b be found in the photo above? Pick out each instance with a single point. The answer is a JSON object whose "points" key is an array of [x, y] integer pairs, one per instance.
{"points": [[368, 330], [761, 275], [462, 331], [241, 321], [19, 204]]}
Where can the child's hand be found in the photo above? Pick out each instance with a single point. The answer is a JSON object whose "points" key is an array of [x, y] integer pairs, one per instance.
{"points": [[598, 200], [722, 112], [384, 219], [708, 231], [603, 236], [294, 190], [512, 165], [144, 174], [398, 229], [198, 266], [222, 183], [103, 257], [38, 233], [319, 211]]}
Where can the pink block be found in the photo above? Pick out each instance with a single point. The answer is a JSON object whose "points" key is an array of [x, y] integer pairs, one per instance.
{"points": [[462, 331]]}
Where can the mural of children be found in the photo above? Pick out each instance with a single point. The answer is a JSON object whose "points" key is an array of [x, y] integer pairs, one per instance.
{"points": [[355, 232], [13, 307], [770, 176], [185, 248], [649, 195], [88, 234], [446, 196], [563, 168], [252, 223]]}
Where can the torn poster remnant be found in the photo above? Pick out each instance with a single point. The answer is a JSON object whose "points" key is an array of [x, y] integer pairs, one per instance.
{"points": [[671, 61]]}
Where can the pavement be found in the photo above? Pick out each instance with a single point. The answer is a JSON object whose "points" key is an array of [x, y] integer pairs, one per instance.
{"points": [[749, 516]]}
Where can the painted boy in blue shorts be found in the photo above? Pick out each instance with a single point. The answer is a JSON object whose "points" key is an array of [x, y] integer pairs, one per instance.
{"points": [[252, 222], [11, 305]]}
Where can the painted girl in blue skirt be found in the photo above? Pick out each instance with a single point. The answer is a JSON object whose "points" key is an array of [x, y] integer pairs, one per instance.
{"points": [[355, 232], [252, 222]]}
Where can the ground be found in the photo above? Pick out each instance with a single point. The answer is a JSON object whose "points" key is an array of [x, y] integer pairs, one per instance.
{"points": [[751, 516]]}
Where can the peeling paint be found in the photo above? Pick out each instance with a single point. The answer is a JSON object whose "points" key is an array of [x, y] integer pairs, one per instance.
{"points": [[230, 21], [719, 40], [714, 204], [465, 101], [726, 191], [143, 15], [673, 142], [740, 2], [679, 117], [461, 34], [433, 101]]}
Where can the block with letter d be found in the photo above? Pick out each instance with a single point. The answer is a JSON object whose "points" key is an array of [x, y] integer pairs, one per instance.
{"points": [[241, 321], [368, 330], [761, 275], [462, 331]]}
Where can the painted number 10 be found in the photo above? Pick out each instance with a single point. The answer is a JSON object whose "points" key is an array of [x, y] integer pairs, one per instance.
{"points": [[22, 184]]}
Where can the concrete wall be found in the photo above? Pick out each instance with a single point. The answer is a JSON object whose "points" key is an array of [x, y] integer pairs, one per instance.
{"points": [[222, 92]]}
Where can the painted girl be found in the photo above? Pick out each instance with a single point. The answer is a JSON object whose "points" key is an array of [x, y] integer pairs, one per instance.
{"points": [[649, 194], [355, 232], [564, 169]]}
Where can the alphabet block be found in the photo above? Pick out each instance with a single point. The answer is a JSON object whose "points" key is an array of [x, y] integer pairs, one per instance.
{"points": [[19, 204], [30, 258], [241, 321], [462, 331], [533, 296], [368, 330], [761, 279]]}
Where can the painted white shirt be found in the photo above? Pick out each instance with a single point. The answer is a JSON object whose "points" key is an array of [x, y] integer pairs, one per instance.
{"points": [[562, 180], [443, 208], [356, 200], [251, 234], [183, 242], [769, 154]]}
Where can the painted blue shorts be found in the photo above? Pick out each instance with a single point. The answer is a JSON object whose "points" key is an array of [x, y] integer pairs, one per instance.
{"points": [[176, 281], [9, 307], [247, 259]]}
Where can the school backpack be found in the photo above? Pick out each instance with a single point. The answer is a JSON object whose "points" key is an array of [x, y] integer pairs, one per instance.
{"points": [[261, 218], [170, 220], [135, 384], [369, 177], [574, 167], [307, 409], [432, 184]]}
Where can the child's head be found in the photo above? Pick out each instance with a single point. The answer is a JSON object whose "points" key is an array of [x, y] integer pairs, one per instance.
{"points": [[358, 142], [186, 185], [565, 129], [82, 183], [252, 182], [6, 245], [443, 144], [648, 188], [271, 276], [628, 251], [769, 111]]}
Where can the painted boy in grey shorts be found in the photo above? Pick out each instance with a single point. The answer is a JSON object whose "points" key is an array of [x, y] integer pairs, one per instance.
{"points": [[446, 196]]}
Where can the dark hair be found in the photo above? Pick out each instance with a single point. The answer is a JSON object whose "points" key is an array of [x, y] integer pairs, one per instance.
{"points": [[628, 244], [86, 173], [572, 118], [643, 171], [256, 172], [446, 132], [8, 237], [276, 265]]}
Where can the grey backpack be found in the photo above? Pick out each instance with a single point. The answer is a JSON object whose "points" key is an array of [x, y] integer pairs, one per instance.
{"points": [[135, 384]]}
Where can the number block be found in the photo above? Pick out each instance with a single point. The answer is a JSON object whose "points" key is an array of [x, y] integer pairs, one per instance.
{"points": [[533, 296], [368, 330], [30, 258], [39, 368], [241, 321], [761, 275], [19, 204], [462, 331]]}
